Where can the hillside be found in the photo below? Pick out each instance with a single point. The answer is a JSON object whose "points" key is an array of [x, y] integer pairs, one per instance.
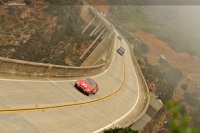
{"points": [[42, 31], [176, 78]]}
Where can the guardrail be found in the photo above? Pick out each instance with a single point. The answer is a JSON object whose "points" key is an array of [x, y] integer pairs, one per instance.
{"points": [[41, 69], [146, 89], [141, 79]]}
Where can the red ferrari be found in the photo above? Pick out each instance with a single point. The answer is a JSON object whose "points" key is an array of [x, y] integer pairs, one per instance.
{"points": [[88, 86]]}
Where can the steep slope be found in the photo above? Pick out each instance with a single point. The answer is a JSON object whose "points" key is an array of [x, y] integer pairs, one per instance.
{"points": [[40, 30]]}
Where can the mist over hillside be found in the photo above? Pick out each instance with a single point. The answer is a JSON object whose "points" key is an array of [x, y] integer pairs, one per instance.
{"points": [[176, 24], [181, 24], [154, 2]]}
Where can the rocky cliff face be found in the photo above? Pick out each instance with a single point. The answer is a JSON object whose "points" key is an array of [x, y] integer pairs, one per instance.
{"points": [[33, 32]]}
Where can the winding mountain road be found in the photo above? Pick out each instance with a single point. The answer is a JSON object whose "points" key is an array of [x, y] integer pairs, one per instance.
{"points": [[30, 104]]}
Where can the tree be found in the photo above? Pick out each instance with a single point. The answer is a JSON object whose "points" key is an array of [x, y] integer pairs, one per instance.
{"points": [[177, 125], [27, 2]]}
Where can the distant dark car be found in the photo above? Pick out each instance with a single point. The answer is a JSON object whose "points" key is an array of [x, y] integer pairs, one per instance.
{"points": [[121, 50], [120, 38], [87, 86]]}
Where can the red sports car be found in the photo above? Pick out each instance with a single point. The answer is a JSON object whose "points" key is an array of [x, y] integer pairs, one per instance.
{"points": [[88, 86]]}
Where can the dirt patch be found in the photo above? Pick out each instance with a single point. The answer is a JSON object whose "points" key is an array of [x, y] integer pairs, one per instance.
{"points": [[152, 58], [189, 65]]}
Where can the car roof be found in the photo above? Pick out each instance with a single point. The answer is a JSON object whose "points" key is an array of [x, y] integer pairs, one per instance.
{"points": [[91, 82], [122, 48]]}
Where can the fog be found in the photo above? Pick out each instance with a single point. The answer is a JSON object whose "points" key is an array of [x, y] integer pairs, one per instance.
{"points": [[178, 17], [183, 19]]}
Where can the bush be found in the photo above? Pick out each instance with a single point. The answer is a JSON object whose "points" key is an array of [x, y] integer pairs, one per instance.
{"points": [[69, 29], [120, 130], [28, 2], [1, 20], [141, 49], [177, 124], [184, 86], [61, 2], [191, 99]]}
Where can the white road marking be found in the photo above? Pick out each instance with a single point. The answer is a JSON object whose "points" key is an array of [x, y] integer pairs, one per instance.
{"points": [[80, 100], [116, 121], [54, 82]]}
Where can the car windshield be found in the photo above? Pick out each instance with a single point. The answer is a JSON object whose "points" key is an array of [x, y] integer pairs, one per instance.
{"points": [[122, 49], [91, 82]]}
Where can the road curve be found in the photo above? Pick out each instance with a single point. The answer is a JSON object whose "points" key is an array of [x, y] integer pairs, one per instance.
{"points": [[49, 105]]}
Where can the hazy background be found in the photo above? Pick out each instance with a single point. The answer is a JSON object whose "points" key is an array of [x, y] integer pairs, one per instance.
{"points": [[179, 25]]}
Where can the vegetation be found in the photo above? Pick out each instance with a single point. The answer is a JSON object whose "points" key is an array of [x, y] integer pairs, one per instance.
{"points": [[28, 2], [130, 18], [166, 78], [127, 2], [184, 86], [44, 35], [120, 130], [179, 124], [62, 2], [1, 20], [191, 99]]}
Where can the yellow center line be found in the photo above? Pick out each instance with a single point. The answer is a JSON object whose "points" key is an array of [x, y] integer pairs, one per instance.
{"points": [[13, 110]]}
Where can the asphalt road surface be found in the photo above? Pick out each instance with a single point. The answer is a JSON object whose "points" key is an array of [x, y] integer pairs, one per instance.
{"points": [[54, 105]]}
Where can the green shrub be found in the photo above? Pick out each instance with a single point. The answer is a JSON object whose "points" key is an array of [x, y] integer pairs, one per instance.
{"points": [[1, 20], [177, 124]]}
